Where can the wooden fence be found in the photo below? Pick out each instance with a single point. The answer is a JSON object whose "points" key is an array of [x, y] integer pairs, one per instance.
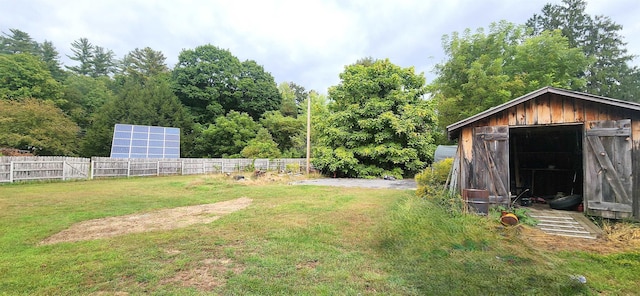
{"points": [[30, 168]]}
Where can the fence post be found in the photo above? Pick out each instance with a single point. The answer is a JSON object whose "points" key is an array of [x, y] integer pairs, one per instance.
{"points": [[158, 168], [128, 168], [11, 172], [182, 168], [63, 170], [91, 166]]}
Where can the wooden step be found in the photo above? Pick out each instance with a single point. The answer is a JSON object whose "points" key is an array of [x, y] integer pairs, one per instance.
{"points": [[565, 223]]}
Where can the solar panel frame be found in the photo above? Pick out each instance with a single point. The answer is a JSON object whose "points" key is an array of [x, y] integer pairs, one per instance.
{"points": [[142, 141]]}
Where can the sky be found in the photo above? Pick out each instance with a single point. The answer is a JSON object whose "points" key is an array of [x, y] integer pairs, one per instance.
{"points": [[308, 42]]}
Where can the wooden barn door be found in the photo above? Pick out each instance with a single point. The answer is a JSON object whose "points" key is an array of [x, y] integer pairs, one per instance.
{"points": [[490, 169], [608, 169]]}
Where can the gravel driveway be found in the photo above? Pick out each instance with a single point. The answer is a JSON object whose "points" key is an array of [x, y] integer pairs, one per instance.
{"points": [[406, 184]]}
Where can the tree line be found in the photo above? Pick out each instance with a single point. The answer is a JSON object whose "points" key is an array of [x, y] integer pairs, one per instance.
{"points": [[381, 119]]}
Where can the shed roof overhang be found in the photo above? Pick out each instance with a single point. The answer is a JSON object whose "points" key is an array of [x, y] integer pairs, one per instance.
{"points": [[453, 130]]}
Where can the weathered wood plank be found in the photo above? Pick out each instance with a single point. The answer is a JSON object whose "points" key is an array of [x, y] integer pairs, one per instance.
{"points": [[531, 114], [635, 138], [609, 206], [521, 117], [604, 113], [491, 161], [578, 107], [544, 110], [557, 109], [610, 172], [466, 143], [590, 112], [513, 115], [569, 112], [612, 131], [502, 118]]}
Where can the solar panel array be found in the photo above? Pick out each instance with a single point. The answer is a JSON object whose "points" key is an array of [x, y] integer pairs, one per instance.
{"points": [[141, 141]]}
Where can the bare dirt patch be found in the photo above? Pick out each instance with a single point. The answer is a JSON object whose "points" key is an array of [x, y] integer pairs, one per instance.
{"points": [[158, 220]]}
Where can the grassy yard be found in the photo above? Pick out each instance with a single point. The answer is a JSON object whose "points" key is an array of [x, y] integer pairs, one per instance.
{"points": [[292, 240]]}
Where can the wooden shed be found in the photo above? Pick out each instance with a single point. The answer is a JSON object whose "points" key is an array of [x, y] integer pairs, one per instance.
{"points": [[555, 142]]}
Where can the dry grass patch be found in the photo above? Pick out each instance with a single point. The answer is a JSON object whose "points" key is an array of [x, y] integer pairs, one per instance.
{"points": [[207, 275], [618, 237]]}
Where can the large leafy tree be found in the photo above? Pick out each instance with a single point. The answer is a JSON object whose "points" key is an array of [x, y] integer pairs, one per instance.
{"points": [[262, 146], [83, 97], [487, 69], [211, 82], [300, 92], [37, 125], [609, 73], [288, 107], [378, 123], [150, 103], [26, 76], [288, 132], [227, 136], [257, 91]]}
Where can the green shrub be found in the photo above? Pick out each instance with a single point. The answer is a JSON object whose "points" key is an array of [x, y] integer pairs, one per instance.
{"points": [[431, 180], [292, 167]]}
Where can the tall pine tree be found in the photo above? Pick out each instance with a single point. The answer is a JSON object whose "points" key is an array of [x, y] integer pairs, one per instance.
{"points": [[599, 38]]}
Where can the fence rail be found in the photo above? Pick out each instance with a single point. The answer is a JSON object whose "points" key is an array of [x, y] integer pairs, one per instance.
{"points": [[33, 168]]}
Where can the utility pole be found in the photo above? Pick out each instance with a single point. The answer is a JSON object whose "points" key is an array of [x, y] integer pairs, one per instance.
{"points": [[308, 131]]}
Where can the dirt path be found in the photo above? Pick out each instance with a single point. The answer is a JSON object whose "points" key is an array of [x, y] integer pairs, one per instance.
{"points": [[158, 220]]}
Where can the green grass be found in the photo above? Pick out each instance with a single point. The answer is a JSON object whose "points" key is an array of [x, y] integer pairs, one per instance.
{"points": [[293, 240]]}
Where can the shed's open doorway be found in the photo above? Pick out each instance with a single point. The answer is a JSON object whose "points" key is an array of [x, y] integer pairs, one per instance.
{"points": [[546, 160]]}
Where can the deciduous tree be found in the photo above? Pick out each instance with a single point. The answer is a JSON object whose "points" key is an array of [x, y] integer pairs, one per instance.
{"points": [[26, 76], [379, 123], [262, 146], [485, 70], [227, 136], [600, 39], [288, 132], [37, 125], [83, 97], [288, 107], [212, 82]]}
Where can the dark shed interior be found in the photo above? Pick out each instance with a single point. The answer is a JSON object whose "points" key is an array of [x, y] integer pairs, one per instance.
{"points": [[547, 160]]}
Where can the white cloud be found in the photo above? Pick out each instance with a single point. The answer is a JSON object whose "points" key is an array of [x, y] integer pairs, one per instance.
{"points": [[308, 42]]}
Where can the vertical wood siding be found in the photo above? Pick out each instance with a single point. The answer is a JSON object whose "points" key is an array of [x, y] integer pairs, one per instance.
{"points": [[549, 109]]}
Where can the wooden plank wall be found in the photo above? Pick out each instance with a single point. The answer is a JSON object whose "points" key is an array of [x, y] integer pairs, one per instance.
{"points": [[123, 167], [552, 109], [27, 168]]}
